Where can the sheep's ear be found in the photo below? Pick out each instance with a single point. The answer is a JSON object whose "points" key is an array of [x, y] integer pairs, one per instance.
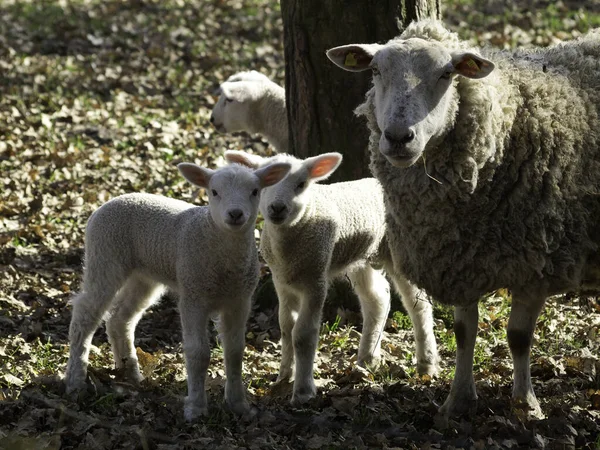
{"points": [[272, 174], [238, 91], [243, 158], [471, 65], [197, 175], [355, 57], [320, 167]]}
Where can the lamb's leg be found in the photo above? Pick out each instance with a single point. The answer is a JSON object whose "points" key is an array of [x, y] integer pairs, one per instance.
{"points": [[131, 301], [420, 311], [463, 397], [373, 291], [521, 324], [89, 307], [232, 329], [306, 338], [196, 348], [288, 312]]}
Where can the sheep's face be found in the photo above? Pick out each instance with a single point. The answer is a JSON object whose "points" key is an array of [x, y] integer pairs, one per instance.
{"points": [[286, 202], [234, 191], [232, 111], [416, 100]]}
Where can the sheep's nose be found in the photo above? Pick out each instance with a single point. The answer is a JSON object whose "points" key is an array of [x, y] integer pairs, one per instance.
{"points": [[278, 208], [235, 214], [400, 139], [212, 119]]}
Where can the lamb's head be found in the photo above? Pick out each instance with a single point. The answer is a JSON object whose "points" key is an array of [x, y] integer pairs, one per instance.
{"points": [[232, 110], [285, 203], [416, 97], [234, 190]]}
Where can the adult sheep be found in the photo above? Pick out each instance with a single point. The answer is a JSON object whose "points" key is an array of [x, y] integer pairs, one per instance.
{"points": [[490, 169]]}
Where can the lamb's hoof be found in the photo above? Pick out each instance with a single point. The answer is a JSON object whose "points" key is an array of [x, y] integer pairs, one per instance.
{"points": [[427, 369], [303, 396], [527, 409]]}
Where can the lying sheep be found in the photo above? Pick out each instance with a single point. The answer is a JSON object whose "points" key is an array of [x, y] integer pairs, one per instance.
{"points": [[490, 170], [136, 244], [314, 233], [250, 102]]}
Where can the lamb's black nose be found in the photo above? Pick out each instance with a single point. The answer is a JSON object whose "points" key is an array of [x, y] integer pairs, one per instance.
{"points": [[235, 214]]}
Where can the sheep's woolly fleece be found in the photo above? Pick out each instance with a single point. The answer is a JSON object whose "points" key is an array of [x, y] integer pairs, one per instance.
{"points": [[516, 203]]}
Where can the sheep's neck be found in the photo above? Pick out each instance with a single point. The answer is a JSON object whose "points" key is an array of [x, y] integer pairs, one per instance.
{"points": [[270, 118]]}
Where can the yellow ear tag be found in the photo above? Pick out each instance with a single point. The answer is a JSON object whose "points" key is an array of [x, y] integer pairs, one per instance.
{"points": [[472, 64], [350, 60]]}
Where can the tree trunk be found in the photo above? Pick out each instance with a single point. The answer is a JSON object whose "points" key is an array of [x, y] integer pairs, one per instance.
{"points": [[321, 98]]}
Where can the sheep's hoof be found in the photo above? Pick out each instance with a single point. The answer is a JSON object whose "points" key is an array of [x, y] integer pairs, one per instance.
{"points": [[457, 406], [192, 411], [239, 407], [527, 408], [303, 395]]}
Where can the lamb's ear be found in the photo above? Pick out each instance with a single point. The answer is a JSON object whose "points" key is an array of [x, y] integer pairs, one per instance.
{"points": [[354, 57], [320, 167], [471, 65], [243, 158], [272, 174], [197, 175]]}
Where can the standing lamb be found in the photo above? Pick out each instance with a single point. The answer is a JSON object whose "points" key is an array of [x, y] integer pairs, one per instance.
{"points": [[314, 233], [137, 243], [490, 172], [250, 102]]}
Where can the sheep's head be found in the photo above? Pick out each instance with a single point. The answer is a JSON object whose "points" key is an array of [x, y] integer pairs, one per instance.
{"points": [[416, 99], [232, 111], [285, 203], [234, 191]]}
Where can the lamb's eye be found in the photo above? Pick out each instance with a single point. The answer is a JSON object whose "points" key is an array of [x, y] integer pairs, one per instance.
{"points": [[301, 185], [446, 75], [375, 71], [255, 192], [228, 100], [214, 193]]}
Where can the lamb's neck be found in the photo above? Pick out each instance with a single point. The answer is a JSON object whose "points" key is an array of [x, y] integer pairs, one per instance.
{"points": [[270, 118]]}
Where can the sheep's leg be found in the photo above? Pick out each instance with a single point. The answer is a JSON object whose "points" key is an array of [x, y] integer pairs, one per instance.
{"points": [[196, 348], [521, 324], [420, 311], [232, 329], [288, 312], [306, 337], [89, 307], [463, 396], [373, 291], [131, 301]]}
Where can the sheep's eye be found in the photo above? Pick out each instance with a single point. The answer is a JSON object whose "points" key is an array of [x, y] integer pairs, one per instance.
{"points": [[375, 71], [255, 192], [214, 193], [228, 100], [301, 185], [446, 75]]}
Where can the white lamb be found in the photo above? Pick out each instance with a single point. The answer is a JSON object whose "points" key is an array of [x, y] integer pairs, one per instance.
{"points": [[314, 233], [136, 244], [250, 102]]}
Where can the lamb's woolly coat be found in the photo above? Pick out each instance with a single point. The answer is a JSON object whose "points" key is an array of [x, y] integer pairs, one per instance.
{"points": [[516, 203]]}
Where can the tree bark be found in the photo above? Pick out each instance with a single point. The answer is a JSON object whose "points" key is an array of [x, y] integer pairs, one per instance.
{"points": [[320, 97]]}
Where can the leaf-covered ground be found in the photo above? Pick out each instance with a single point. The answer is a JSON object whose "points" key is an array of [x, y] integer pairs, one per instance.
{"points": [[99, 98]]}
